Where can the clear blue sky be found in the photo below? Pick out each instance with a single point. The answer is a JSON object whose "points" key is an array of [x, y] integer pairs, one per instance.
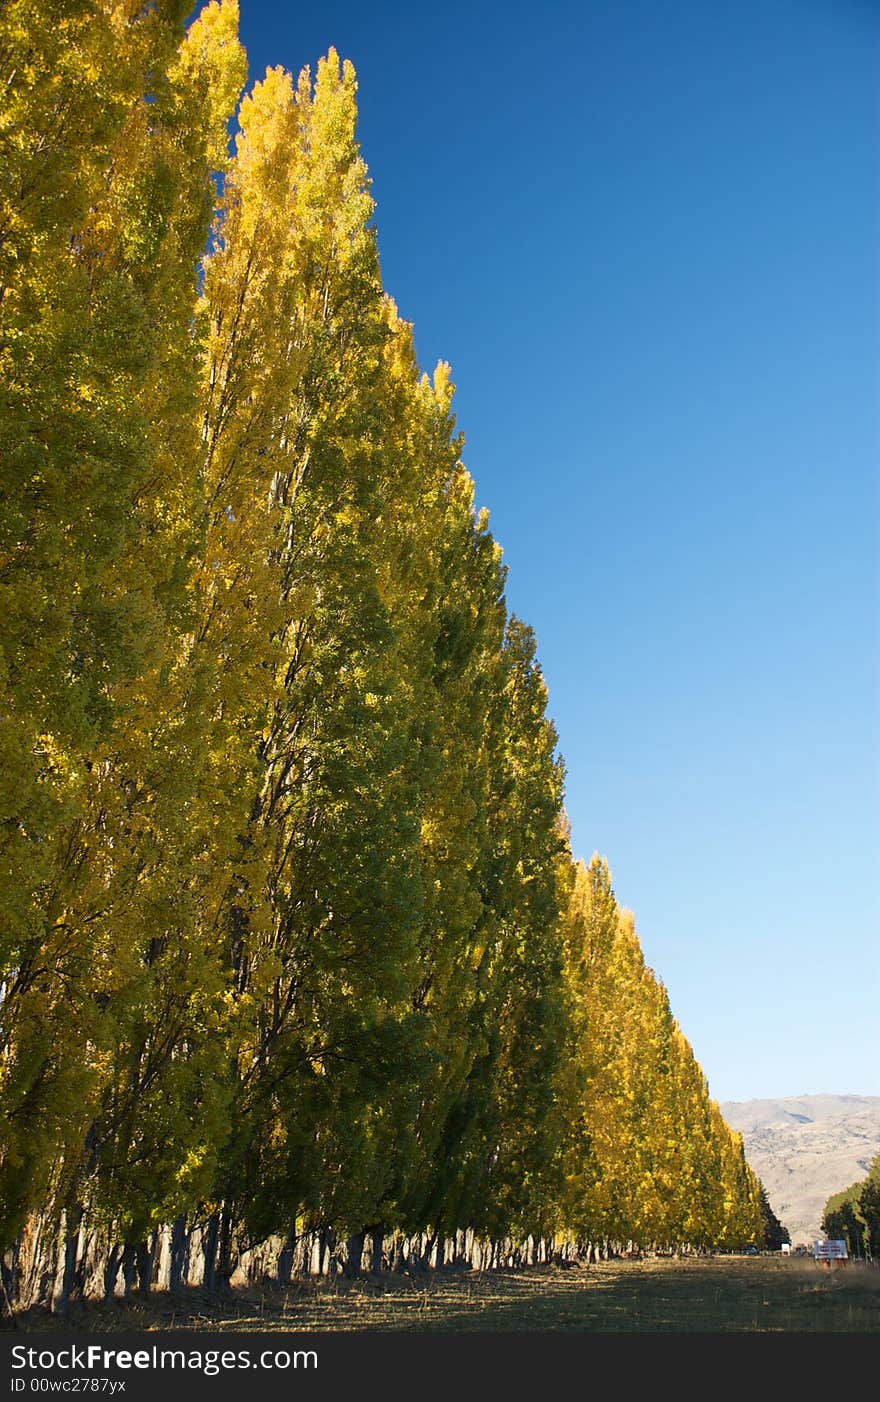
{"points": [[646, 235]]}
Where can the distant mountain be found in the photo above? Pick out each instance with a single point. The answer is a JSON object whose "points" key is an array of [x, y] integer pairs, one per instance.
{"points": [[805, 1148]]}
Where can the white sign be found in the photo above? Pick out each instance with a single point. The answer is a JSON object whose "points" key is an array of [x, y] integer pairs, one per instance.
{"points": [[830, 1250]]}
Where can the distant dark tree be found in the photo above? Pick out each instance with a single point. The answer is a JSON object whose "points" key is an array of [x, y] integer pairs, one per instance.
{"points": [[774, 1232], [869, 1207]]}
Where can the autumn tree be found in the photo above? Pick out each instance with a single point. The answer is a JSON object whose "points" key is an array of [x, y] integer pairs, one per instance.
{"points": [[650, 1158], [293, 939], [115, 124]]}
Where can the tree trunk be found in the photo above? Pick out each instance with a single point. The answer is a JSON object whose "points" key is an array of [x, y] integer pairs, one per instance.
{"points": [[355, 1253], [209, 1252], [429, 1241], [129, 1268], [111, 1270], [225, 1266], [179, 1251], [313, 1258], [7, 1285], [66, 1275], [285, 1260], [144, 1261], [396, 1257], [10, 1271], [377, 1236], [325, 1250], [35, 1272]]}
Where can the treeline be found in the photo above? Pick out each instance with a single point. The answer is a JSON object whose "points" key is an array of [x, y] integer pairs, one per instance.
{"points": [[295, 955], [853, 1215]]}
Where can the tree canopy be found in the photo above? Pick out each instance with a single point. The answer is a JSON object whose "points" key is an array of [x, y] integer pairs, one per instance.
{"points": [[294, 944]]}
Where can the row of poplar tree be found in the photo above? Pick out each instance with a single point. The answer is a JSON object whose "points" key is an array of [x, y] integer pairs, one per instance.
{"points": [[292, 937]]}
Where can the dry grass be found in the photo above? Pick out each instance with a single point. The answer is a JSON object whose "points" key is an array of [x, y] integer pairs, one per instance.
{"points": [[663, 1295]]}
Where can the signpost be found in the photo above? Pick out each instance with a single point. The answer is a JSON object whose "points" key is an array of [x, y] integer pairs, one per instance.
{"points": [[827, 1251]]}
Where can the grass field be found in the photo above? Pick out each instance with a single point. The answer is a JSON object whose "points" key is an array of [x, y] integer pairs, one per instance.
{"points": [[707, 1294]]}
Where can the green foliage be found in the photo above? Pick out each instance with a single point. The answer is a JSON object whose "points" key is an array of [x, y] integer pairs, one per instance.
{"points": [[869, 1208], [110, 150], [292, 932], [853, 1215]]}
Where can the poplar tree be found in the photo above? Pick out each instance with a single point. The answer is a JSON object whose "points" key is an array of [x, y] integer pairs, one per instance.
{"points": [[650, 1158], [99, 391], [321, 912]]}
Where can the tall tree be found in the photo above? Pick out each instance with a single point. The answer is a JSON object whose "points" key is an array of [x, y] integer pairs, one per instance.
{"points": [[323, 906], [100, 380]]}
